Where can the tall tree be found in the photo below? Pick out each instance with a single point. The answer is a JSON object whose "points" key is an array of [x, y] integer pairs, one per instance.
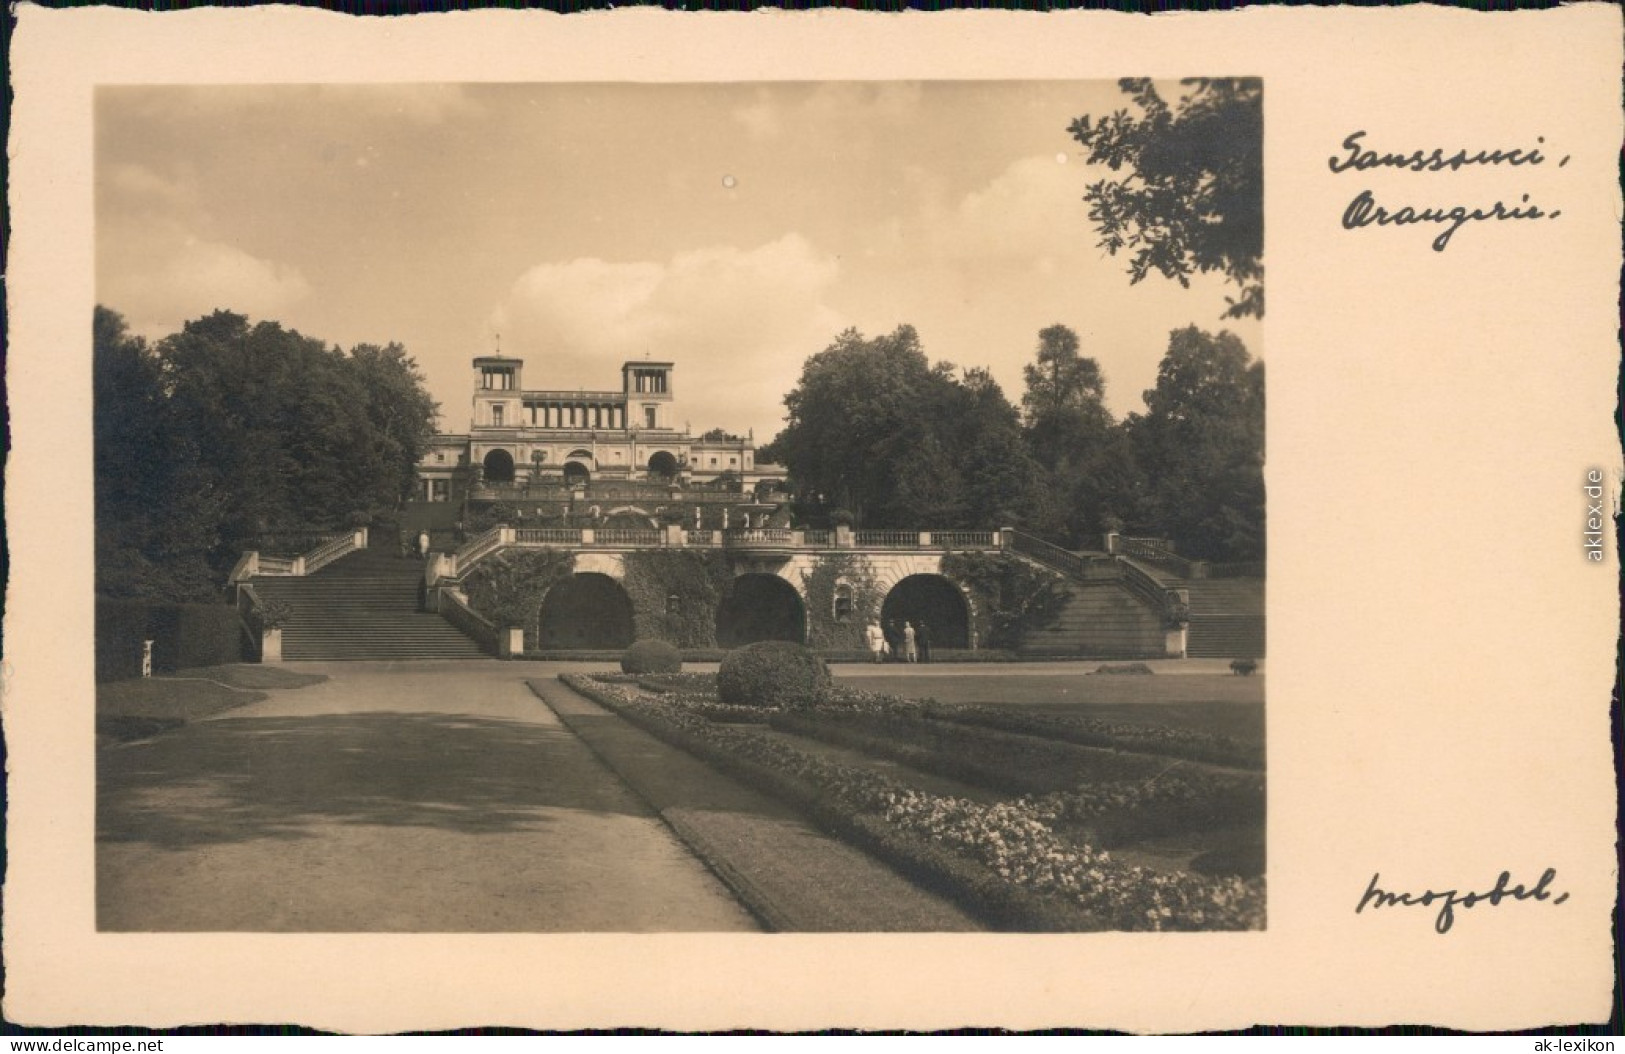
{"points": [[240, 429], [1090, 479], [874, 427], [1201, 443], [1193, 198], [155, 511]]}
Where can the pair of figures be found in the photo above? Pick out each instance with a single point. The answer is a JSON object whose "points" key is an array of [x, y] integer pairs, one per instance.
{"points": [[906, 641]]}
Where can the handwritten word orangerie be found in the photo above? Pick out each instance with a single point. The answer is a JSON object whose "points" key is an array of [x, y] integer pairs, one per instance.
{"points": [[1365, 211]]}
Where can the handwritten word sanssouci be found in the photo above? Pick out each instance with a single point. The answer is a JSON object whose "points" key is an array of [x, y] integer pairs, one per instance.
{"points": [[1434, 160]]}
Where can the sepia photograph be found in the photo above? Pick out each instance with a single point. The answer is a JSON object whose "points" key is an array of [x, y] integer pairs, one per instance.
{"points": [[808, 507], [701, 521]]}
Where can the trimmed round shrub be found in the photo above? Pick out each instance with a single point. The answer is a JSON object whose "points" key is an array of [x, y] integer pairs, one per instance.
{"points": [[772, 673], [651, 656]]}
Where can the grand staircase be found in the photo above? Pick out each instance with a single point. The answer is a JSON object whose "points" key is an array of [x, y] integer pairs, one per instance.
{"points": [[363, 606], [1102, 619], [1227, 618]]}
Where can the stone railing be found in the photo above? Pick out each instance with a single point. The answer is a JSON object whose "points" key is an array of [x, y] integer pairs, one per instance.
{"points": [[760, 538], [332, 549], [247, 566], [453, 565], [889, 539], [1150, 589], [478, 546], [619, 536], [966, 539], [455, 610], [252, 563], [1046, 553], [1158, 552], [533, 536], [280, 565]]}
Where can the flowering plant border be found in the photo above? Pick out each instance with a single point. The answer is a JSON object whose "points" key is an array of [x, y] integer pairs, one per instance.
{"points": [[1006, 862]]}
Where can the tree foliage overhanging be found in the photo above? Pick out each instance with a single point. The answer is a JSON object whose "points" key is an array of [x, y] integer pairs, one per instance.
{"points": [[1193, 197], [228, 433]]}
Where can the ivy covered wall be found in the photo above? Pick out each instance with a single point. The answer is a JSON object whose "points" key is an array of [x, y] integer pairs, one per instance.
{"points": [[697, 580], [824, 628], [1012, 596], [507, 587]]}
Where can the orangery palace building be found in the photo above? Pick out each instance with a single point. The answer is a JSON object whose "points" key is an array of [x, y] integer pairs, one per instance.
{"points": [[525, 441]]}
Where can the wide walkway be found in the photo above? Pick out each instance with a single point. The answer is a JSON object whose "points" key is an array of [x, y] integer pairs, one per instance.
{"points": [[394, 797]]}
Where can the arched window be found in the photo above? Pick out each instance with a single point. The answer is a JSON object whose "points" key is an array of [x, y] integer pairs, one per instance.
{"points": [[843, 602]]}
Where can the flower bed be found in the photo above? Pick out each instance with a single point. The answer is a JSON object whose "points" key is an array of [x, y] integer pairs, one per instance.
{"points": [[1011, 863]]}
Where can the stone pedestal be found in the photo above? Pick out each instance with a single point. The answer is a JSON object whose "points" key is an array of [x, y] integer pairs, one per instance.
{"points": [[1174, 641], [511, 642], [271, 645]]}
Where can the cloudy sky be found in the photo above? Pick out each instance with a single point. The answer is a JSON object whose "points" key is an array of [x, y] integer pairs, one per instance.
{"points": [[734, 229]]}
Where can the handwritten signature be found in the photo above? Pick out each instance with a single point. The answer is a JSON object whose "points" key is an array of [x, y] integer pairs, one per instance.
{"points": [[1450, 899]]}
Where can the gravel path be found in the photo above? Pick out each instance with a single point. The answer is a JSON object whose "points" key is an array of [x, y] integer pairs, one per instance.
{"points": [[413, 797]]}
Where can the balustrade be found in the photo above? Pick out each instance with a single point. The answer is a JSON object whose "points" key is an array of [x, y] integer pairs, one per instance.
{"points": [[887, 539]]}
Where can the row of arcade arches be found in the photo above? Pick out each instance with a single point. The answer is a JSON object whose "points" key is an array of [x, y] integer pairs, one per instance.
{"points": [[591, 611], [499, 467]]}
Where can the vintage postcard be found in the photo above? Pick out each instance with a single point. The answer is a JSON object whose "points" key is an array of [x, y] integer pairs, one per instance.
{"points": [[811, 521]]}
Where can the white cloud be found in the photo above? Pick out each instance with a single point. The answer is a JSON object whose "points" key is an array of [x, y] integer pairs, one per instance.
{"points": [[738, 323], [193, 278], [154, 267], [981, 275]]}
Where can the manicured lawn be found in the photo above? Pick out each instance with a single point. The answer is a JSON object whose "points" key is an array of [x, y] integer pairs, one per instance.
{"points": [[1221, 704], [145, 706]]}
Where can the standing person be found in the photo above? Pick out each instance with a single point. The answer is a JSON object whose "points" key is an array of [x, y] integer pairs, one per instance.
{"points": [[875, 639], [922, 637], [423, 542], [894, 641], [909, 652]]}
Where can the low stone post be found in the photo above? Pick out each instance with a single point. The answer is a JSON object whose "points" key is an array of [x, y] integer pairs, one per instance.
{"points": [[1110, 542], [271, 644], [843, 536], [674, 535], [511, 642]]}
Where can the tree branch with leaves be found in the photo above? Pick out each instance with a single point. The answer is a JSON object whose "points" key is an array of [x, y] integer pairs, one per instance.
{"points": [[1191, 200]]}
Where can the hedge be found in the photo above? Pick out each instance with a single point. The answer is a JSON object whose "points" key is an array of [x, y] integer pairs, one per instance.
{"points": [[651, 656], [183, 636], [771, 673]]}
